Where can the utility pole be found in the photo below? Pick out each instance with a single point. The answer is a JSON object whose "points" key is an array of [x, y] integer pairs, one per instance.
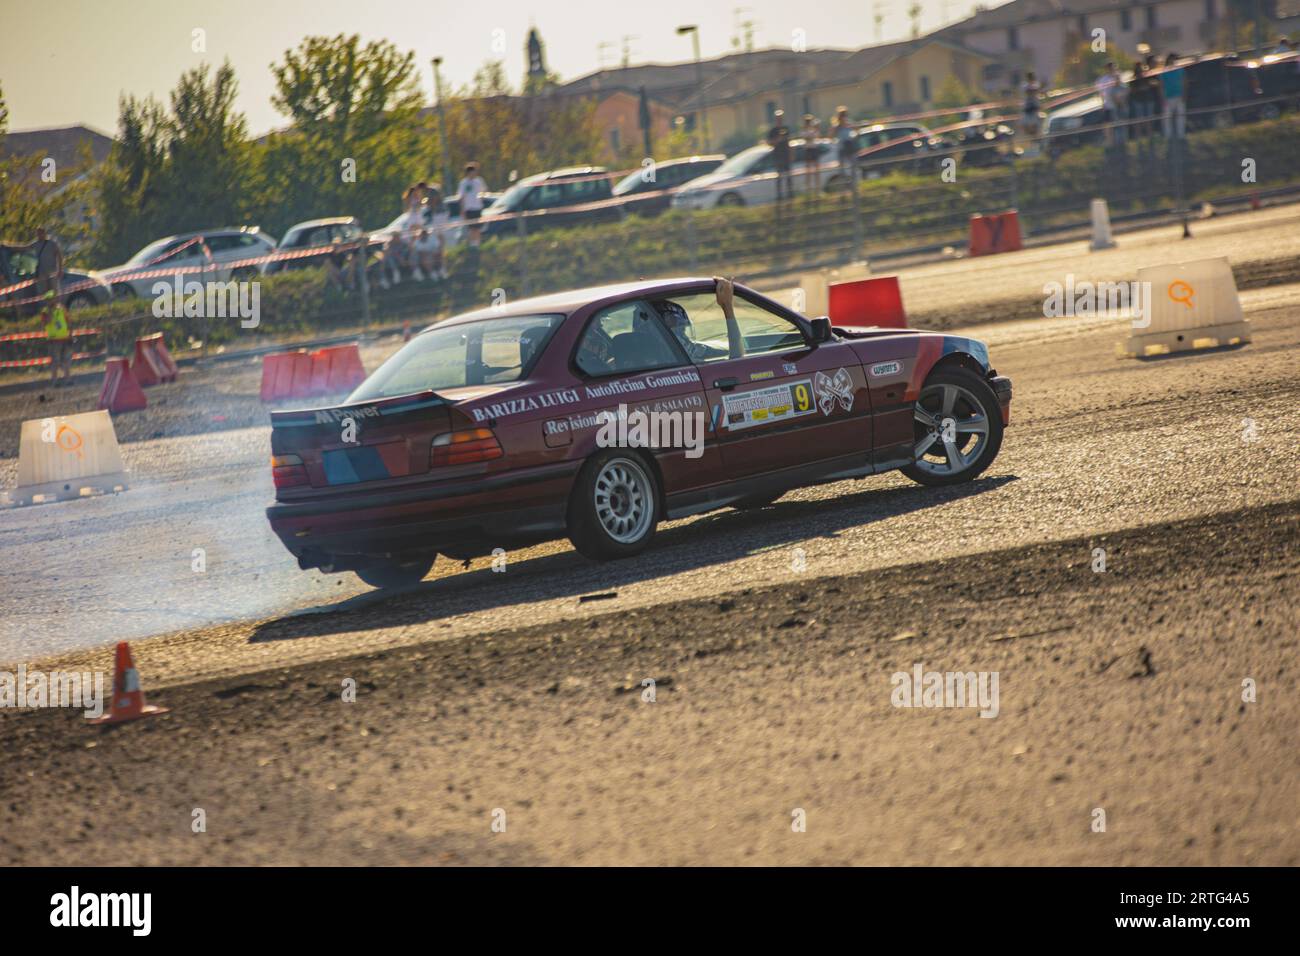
{"points": [[444, 147], [694, 31]]}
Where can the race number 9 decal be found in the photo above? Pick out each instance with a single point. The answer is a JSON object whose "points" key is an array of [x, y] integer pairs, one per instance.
{"points": [[802, 398]]}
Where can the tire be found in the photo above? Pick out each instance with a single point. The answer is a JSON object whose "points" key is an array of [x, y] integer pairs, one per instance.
{"points": [[614, 509], [81, 300], [976, 430], [392, 574], [124, 291], [730, 199], [838, 183], [753, 502]]}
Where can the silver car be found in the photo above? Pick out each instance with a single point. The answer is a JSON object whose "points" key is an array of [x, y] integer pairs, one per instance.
{"points": [[216, 255]]}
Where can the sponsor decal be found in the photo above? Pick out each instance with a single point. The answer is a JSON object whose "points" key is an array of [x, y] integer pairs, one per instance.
{"points": [[326, 416], [886, 368], [833, 388], [764, 405], [790, 368], [527, 403], [760, 376], [623, 386]]}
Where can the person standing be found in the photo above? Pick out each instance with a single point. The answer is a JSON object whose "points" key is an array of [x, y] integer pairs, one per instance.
{"points": [[470, 192], [1033, 91], [1111, 88], [1173, 84], [844, 141], [1143, 96], [778, 137], [49, 262], [58, 336], [811, 133]]}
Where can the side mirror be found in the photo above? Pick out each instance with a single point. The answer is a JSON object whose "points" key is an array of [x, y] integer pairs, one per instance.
{"points": [[821, 330]]}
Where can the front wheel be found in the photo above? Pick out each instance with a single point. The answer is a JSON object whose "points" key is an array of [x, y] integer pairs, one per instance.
{"points": [[615, 506], [730, 199], [387, 573], [958, 427]]}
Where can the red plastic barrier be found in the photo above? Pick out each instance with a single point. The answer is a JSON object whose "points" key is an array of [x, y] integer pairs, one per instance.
{"points": [[346, 371], [335, 370], [153, 363], [993, 234], [121, 392], [864, 302]]}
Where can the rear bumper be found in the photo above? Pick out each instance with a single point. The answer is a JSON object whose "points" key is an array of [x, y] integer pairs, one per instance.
{"points": [[461, 517]]}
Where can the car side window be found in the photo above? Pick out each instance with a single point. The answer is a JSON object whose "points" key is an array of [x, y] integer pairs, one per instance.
{"points": [[703, 328], [627, 337], [764, 331]]}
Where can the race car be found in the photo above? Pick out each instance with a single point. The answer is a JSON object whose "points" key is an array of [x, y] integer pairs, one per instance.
{"points": [[599, 413]]}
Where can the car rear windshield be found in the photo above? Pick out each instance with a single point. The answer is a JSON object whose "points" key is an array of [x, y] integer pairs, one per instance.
{"points": [[486, 352]]}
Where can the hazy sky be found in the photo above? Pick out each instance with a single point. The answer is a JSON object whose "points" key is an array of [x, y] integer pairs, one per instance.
{"points": [[68, 62]]}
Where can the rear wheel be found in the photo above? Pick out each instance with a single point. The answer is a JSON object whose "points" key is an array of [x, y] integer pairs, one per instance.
{"points": [[958, 427], [730, 199], [615, 506], [387, 573]]}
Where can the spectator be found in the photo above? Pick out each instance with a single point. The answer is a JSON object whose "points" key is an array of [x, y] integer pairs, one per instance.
{"points": [[49, 262], [58, 336], [429, 240], [812, 132], [778, 137], [1284, 46], [1143, 99], [470, 192], [1111, 87], [1173, 84], [1033, 91], [343, 265], [844, 139]]}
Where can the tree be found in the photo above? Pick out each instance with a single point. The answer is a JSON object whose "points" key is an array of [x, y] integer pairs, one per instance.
{"points": [[1083, 64], [173, 172], [28, 198], [357, 138]]}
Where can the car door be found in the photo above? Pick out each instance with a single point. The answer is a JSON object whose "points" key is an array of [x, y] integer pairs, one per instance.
{"points": [[630, 366], [782, 403]]}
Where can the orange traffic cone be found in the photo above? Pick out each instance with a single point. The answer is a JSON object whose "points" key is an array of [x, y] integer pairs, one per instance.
{"points": [[127, 702], [406, 330]]}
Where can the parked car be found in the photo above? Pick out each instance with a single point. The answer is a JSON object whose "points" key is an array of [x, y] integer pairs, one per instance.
{"points": [[561, 197], [888, 147], [17, 264], [498, 428], [215, 255], [749, 177], [645, 196], [314, 234]]}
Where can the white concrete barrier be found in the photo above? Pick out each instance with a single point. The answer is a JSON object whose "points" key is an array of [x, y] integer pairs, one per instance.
{"points": [[1191, 305], [68, 456], [1101, 237]]}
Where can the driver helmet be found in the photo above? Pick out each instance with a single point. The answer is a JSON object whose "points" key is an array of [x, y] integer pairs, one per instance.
{"points": [[675, 318]]}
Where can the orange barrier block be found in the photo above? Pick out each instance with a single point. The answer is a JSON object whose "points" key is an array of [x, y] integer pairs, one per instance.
{"points": [[127, 702], [320, 373], [346, 371], [876, 301], [300, 382], [120, 392], [153, 363], [993, 234], [271, 373]]}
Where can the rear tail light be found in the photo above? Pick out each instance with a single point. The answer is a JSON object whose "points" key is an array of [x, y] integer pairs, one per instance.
{"points": [[461, 448], [288, 471]]}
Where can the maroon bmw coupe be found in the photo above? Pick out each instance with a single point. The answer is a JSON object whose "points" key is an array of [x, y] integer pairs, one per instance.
{"points": [[600, 412]]}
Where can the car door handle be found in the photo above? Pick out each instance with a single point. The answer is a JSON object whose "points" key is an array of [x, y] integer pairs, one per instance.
{"points": [[726, 384]]}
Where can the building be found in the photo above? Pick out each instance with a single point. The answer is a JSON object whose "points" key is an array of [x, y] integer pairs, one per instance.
{"points": [[887, 79], [738, 93], [1041, 35]]}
